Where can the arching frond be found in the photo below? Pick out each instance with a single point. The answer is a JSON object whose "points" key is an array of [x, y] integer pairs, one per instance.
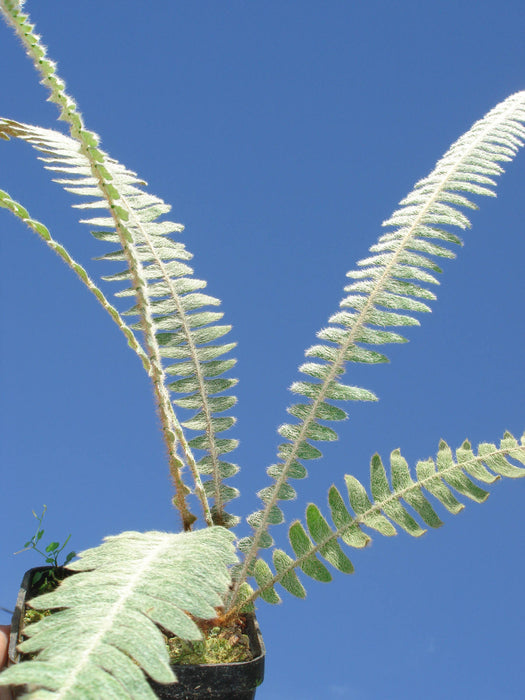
{"points": [[105, 635], [185, 330], [385, 511], [7, 202], [387, 291]]}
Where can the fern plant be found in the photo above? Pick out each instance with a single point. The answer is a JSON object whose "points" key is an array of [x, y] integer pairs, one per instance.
{"points": [[143, 581]]}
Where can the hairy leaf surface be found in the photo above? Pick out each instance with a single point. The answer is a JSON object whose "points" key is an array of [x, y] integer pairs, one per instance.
{"points": [[106, 634]]}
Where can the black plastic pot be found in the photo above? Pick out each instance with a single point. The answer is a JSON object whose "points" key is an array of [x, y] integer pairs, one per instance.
{"points": [[27, 591], [235, 681]]}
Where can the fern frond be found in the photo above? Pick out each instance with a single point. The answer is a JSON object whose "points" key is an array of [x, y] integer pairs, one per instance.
{"points": [[387, 291], [7, 202], [185, 332], [385, 510], [105, 635]]}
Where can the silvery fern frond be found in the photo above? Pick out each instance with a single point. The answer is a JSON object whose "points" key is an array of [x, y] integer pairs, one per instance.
{"points": [[440, 477], [105, 633], [185, 330], [386, 291]]}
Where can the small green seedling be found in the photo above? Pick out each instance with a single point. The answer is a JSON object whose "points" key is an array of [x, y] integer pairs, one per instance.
{"points": [[51, 552]]}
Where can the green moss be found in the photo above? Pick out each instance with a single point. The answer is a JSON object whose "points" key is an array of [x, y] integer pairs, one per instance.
{"points": [[31, 615], [220, 645]]}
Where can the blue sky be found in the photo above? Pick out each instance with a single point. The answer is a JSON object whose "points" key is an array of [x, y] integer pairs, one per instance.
{"points": [[283, 134]]}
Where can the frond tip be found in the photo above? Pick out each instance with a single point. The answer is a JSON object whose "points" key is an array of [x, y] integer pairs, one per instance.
{"points": [[107, 626], [386, 509]]}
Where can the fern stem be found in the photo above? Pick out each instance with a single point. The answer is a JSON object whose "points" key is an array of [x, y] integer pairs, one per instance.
{"points": [[210, 433], [177, 428], [88, 143]]}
